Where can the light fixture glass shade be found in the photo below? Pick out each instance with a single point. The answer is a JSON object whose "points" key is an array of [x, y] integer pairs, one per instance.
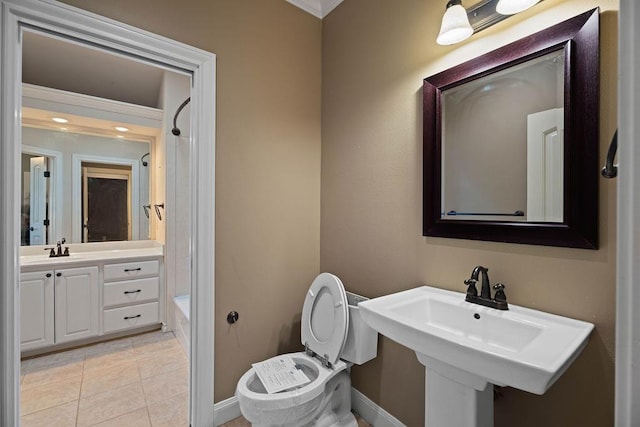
{"points": [[455, 25], [511, 7]]}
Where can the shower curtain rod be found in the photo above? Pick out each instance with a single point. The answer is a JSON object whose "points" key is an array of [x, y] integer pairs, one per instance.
{"points": [[175, 129]]}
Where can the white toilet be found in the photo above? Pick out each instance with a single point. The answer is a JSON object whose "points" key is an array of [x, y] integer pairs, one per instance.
{"points": [[335, 337]]}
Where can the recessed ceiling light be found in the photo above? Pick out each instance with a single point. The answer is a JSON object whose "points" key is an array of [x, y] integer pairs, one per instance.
{"points": [[59, 120], [121, 129]]}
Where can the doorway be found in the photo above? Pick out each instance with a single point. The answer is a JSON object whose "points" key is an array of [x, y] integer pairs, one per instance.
{"points": [[106, 203], [57, 20]]}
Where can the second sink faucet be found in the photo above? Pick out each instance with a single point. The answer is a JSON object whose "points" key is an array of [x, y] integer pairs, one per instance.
{"points": [[59, 243], [500, 299]]}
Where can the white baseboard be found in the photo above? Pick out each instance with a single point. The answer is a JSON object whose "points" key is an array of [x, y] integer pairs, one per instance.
{"points": [[226, 410], [229, 409], [371, 412]]}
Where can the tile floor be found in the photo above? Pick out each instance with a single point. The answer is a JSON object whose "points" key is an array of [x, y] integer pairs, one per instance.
{"points": [[135, 381], [139, 381]]}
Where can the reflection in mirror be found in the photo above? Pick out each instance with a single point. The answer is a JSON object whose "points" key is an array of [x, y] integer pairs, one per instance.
{"points": [[511, 141], [35, 191], [106, 202], [502, 163], [67, 186]]}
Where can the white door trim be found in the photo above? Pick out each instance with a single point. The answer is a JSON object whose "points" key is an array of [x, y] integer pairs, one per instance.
{"points": [[627, 391], [85, 27]]}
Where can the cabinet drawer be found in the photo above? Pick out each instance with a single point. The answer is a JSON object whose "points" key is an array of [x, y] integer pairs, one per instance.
{"points": [[131, 291], [132, 316], [131, 270]]}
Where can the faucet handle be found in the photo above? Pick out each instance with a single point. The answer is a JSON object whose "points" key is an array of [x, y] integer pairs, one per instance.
{"points": [[471, 287], [499, 295]]}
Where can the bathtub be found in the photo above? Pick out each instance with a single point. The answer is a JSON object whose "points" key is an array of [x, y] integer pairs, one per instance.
{"points": [[182, 326]]}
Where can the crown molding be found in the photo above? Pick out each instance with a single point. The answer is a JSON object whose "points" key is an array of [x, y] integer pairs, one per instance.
{"points": [[318, 8]]}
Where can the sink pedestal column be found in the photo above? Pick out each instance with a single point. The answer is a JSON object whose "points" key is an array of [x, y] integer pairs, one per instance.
{"points": [[454, 397]]}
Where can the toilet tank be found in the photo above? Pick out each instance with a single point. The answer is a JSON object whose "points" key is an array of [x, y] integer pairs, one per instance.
{"points": [[362, 341]]}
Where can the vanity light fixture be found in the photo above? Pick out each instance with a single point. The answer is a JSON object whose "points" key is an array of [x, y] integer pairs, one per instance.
{"points": [[59, 120], [455, 24], [457, 27], [511, 7], [121, 129]]}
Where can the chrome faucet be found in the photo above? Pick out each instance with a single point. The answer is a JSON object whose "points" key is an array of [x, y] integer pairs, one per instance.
{"points": [[499, 300]]}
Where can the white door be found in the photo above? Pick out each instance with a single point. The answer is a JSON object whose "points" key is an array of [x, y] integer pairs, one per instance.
{"points": [[77, 307], [36, 310], [37, 201], [545, 160]]}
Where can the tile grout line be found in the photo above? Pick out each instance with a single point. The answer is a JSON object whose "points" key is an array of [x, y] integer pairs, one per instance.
{"points": [[84, 358]]}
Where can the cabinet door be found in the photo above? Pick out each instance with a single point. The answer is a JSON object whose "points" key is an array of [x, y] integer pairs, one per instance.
{"points": [[36, 310], [77, 306]]}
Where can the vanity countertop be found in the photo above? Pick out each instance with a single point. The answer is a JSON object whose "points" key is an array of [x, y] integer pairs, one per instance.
{"points": [[89, 253]]}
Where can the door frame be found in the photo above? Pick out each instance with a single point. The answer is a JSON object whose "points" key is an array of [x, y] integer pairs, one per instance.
{"points": [[69, 22], [627, 389]]}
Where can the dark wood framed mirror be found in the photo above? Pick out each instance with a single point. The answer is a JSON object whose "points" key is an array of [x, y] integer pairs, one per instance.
{"points": [[511, 141]]}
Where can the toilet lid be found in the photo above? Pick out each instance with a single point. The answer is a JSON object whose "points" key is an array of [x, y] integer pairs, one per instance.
{"points": [[325, 317]]}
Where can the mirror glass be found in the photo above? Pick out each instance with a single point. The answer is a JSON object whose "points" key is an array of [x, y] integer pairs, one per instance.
{"points": [[86, 156], [505, 163], [511, 141]]}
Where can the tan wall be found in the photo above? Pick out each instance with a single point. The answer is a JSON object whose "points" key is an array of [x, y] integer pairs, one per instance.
{"points": [[375, 55], [268, 162]]}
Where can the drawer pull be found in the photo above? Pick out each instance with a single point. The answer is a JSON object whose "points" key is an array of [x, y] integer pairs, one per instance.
{"points": [[126, 270], [133, 292], [132, 317]]}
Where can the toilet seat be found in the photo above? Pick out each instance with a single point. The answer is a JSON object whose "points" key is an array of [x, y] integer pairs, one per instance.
{"points": [[325, 318]]}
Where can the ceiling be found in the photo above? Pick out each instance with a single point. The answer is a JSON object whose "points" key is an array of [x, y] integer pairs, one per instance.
{"points": [[318, 8], [65, 65]]}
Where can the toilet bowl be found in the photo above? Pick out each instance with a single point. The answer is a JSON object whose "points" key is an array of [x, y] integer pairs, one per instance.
{"points": [[335, 338]]}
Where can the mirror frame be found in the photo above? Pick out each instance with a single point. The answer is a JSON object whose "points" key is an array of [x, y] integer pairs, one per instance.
{"points": [[579, 37]]}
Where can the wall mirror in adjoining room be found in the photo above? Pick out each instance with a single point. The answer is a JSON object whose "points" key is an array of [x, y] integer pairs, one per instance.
{"points": [[511, 141]]}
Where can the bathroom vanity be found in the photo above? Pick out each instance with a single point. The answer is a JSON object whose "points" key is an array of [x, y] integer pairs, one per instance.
{"points": [[99, 290]]}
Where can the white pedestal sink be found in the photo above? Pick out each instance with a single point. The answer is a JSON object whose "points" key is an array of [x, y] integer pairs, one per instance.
{"points": [[466, 348]]}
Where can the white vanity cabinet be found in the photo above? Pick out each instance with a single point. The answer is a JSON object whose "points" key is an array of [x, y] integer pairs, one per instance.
{"points": [[131, 292], [77, 303], [36, 309], [58, 306], [114, 288]]}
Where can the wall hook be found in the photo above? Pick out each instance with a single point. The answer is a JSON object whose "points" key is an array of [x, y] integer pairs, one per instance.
{"points": [[146, 210], [157, 207], [232, 317]]}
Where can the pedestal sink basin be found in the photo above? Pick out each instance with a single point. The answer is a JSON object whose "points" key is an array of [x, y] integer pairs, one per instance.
{"points": [[467, 348]]}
